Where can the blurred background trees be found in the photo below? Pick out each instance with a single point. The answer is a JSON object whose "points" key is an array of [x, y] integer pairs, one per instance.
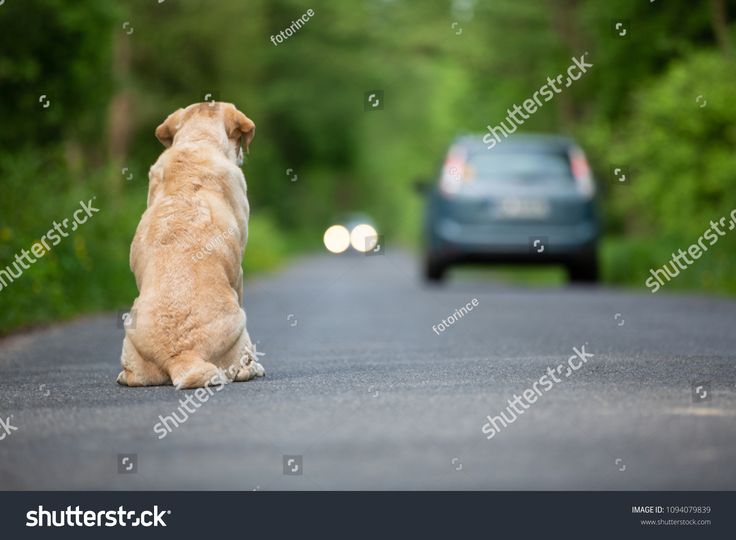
{"points": [[113, 70]]}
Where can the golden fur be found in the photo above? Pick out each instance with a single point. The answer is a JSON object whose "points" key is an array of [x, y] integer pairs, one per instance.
{"points": [[187, 325]]}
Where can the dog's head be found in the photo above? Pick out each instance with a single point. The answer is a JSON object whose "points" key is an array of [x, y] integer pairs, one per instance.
{"points": [[217, 121]]}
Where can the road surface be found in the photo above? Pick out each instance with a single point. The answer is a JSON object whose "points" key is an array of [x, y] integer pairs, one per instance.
{"points": [[363, 389]]}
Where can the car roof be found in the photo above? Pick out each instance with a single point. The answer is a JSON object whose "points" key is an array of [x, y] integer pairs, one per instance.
{"points": [[517, 142]]}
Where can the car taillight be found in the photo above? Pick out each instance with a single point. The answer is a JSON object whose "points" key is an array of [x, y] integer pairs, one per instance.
{"points": [[581, 172], [453, 174]]}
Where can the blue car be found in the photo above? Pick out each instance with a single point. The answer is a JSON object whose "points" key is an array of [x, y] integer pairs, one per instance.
{"points": [[528, 200]]}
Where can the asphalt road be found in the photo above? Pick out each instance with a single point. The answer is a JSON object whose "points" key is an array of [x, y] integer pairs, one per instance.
{"points": [[362, 388]]}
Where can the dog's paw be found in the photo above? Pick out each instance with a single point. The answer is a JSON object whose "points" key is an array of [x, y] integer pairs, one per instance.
{"points": [[131, 378], [123, 378], [250, 371]]}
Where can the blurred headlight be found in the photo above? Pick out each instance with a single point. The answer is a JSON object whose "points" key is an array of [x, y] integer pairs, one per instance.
{"points": [[337, 239], [363, 238]]}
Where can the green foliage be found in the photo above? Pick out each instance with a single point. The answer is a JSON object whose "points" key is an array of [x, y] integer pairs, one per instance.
{"points": [[679, 153], [267, 247], [61, 50], [629, 259], [86, 271], [682, 153]]}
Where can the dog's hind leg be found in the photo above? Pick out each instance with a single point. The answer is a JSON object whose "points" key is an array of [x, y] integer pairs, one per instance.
{"points": [[189, 370], [137, 371]]}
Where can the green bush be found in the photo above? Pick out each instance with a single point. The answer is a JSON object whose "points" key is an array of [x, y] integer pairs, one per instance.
{"points": [[679, 153], [267, 247], [628, 260], [87, 270]]}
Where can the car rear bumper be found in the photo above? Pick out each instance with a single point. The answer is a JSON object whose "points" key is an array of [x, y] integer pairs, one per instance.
{"points": [[511, 242]]}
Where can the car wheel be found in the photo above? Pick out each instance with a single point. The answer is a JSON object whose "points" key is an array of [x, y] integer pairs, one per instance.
{"points": [[435, 270], [584, 269]]}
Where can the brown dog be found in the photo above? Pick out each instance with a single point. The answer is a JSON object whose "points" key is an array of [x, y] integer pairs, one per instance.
{"points": [[187, 326]]}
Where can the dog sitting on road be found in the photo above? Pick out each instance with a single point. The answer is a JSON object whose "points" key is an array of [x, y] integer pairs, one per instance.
{"points": [[187, 326]]}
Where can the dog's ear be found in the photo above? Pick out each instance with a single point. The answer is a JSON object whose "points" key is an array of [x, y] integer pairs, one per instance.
{"points": [[238, 125], [166, 131]]}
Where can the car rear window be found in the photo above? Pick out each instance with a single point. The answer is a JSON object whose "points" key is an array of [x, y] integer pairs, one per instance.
{"points": [[518, 167]]}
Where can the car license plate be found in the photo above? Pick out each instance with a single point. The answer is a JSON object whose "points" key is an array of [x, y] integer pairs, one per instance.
{"points": [[517, 208]]}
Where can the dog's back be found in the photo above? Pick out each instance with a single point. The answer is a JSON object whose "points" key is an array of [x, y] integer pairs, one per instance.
{"points": [[186, 256]]}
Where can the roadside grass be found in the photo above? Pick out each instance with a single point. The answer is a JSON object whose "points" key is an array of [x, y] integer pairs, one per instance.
{"points": [[546, 276], [627, 261]]}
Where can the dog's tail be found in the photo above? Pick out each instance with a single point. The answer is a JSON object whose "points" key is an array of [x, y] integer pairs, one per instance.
{"points": [[189, 370]]}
